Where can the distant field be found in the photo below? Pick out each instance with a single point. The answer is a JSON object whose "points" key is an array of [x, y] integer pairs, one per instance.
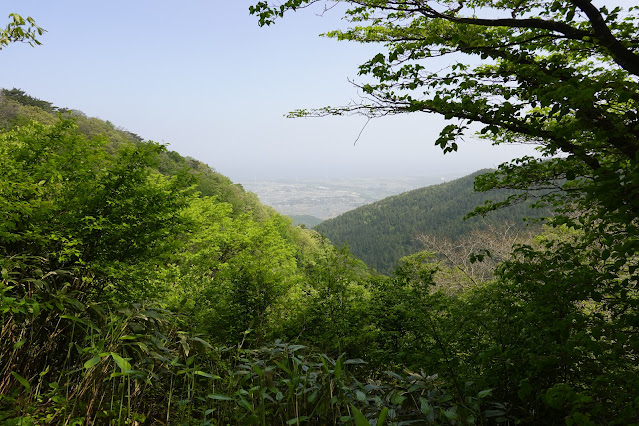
{"points": [[329, 198], [306, 220]]}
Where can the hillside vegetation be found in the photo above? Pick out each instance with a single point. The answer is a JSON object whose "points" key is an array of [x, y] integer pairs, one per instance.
{"points": [[383, 232], [141, 287]]}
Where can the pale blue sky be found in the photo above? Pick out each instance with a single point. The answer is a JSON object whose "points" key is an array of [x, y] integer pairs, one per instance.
{"points": [[203, 77]]}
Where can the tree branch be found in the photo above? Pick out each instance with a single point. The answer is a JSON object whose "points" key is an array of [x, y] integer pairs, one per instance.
{"points": [[625, 58]]}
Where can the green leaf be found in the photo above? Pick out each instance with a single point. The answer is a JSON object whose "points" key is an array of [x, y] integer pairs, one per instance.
{"points": [[203, 374], [624, 96], [425, 406], [92, 362], [258, 370], [360, 419], [398, 398], [451, 415], [219, 397], [494, 413], [382, 417], [43, 373], [244, 403], [128, 337], [338, 368], [297, 420], [283, 367], [484, 393], [121, 362], [22, 381]]}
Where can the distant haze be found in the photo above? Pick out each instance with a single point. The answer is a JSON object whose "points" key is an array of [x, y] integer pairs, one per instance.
{"points": [[204, 78], [328, 198]]}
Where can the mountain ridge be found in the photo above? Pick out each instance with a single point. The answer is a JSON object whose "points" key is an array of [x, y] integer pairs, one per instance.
{"points": [[384, 231]]}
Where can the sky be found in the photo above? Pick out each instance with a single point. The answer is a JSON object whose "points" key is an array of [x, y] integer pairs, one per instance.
{"points": [[204, 78]]}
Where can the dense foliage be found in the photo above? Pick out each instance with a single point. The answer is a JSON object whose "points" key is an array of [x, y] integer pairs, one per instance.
{"points": [[128, 295], [138, 286], [383, 232], [560, 74]]}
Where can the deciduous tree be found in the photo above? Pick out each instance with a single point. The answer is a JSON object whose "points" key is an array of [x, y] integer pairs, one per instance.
{"points": [[562, 75]]}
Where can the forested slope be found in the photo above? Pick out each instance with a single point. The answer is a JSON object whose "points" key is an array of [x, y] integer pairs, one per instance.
{"points": [[18, 108], [383, 232], [128, 252], [141, 287]]}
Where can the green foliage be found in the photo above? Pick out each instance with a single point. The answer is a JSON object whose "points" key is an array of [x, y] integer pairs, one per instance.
{"points": [[22, 98], [65, 199], [209, 183], [383, 232], [139, 286], [20, 29], [290, 386], [559, 327], [232, 271], [331, 311], [19, 109]]}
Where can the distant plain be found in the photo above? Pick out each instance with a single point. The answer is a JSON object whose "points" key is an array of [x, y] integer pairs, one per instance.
{"points": [[328, 198]]}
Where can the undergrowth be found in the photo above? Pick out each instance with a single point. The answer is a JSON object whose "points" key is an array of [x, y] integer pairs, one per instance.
{"points": [[68, 360]]}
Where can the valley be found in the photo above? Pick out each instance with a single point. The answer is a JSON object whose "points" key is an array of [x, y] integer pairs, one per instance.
{"points": [[328, 198], [141, 286]]}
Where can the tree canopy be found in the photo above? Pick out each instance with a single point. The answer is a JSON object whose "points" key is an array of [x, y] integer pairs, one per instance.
{"points": [[139, 286], [383, 232], [559, 74]]}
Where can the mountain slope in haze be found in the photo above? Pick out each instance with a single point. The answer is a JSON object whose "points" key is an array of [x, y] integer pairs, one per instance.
{"points": [[148, 224], [19, 108], [385, 231], [306, 220]]}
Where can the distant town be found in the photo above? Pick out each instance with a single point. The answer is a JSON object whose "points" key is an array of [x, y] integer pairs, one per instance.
{"points": [[325, 199]]}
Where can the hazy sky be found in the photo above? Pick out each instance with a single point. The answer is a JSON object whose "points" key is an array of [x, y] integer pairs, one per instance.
{"points": [[201, 76]]}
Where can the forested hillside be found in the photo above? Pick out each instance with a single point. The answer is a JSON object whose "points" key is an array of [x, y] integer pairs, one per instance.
{"points": [[140, 287], [125, 253], [18, 108], [383, 232]]}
